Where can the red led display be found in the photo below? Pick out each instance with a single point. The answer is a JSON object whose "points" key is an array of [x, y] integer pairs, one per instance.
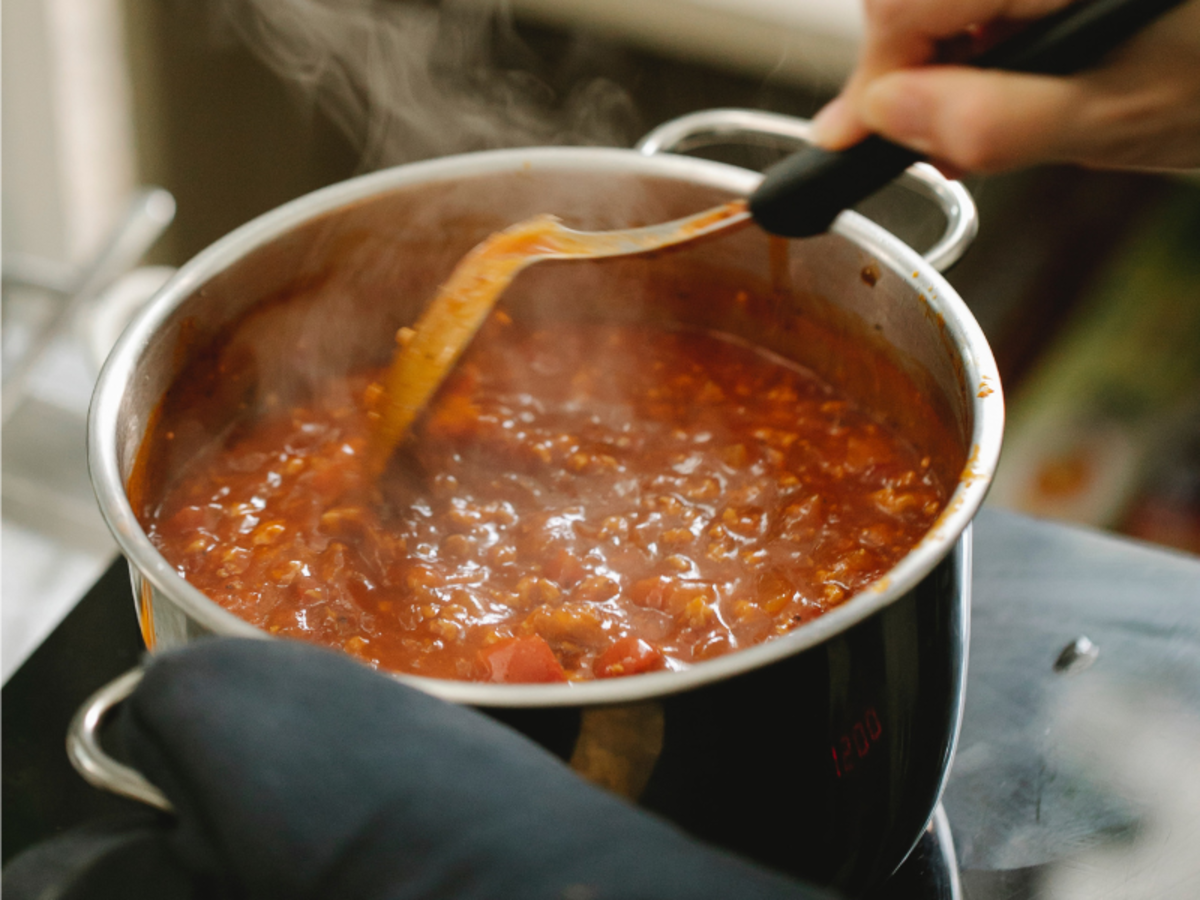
{"points": [[856, 743]]}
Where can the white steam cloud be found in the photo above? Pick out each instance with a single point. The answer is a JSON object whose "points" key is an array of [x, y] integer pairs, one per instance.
{"points": [[409, 80]]}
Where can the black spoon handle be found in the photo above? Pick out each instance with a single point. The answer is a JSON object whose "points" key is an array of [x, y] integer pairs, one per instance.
{"points": [[801, 195]]}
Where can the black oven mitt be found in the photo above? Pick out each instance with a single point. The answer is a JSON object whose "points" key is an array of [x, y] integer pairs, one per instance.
{"points": [[298, 773]]}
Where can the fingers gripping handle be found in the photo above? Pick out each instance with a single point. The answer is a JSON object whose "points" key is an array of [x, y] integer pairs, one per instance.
{"points": [[801, 195]]}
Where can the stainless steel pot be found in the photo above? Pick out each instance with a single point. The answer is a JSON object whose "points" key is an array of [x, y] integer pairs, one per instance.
{"points": [[842, 729]]}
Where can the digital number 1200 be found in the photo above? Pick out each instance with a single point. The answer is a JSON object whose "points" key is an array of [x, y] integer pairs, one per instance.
{"points": [[856, 743]]}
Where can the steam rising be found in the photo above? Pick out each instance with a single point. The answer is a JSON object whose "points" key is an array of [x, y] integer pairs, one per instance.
{"points": [[408, 80]]}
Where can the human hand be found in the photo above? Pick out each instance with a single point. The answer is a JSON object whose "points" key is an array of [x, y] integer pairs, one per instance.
{"points": [[1140, 108]]}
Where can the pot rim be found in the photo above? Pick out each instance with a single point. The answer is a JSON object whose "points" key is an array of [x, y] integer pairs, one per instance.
{"points": [[980, 377]]}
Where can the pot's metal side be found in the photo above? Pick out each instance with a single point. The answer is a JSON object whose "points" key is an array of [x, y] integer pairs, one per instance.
{"points": [[123, 402], [851, 718], [166, 625]]}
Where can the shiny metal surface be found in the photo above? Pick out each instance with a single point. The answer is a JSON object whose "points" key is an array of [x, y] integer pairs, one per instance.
{"points": [[90, 760], [914, 309], [371, 250], [931, 870], [723, 126]]}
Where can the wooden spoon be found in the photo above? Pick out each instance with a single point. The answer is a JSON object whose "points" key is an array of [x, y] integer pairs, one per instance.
{"points": [[464, 301]]}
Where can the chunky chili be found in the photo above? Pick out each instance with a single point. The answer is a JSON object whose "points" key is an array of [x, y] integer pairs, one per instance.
{"points": [[580, 501]]}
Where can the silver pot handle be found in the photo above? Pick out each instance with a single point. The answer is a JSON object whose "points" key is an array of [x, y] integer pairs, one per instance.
{"points": [[723, 126], [90, 760]]}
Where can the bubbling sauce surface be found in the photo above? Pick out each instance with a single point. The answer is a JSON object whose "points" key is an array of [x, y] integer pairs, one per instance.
{"points": [[579, 501]]}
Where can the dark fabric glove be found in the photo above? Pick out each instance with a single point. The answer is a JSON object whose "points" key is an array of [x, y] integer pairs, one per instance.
{"points": [[298, 773]]}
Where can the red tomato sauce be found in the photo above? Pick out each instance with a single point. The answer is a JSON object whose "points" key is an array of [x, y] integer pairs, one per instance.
{"points": [[580, 501]]}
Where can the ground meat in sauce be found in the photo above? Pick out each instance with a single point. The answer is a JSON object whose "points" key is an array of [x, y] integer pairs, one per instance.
{"points": [[581, 501]]}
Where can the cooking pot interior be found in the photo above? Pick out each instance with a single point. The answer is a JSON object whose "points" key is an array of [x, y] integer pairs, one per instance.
{"points": [[318, 289], [327, 297]]}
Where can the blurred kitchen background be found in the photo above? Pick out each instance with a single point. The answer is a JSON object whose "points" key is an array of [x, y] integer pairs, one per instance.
{"points": [[1086, 283]]}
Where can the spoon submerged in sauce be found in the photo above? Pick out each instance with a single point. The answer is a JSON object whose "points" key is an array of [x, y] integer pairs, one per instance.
{"points": [[465, 299], [799, 196]]}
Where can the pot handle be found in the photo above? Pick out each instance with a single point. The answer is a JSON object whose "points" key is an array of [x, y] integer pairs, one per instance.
{"points": [[723, 126], [88, 757]]}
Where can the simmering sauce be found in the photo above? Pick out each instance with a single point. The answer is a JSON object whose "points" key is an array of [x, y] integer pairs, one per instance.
{"points": [[464, 301], [578, 501]]}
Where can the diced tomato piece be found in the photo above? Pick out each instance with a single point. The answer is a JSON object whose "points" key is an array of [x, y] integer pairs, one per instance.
{"points": [[652, 592], [521, 660], [628, 656]]}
